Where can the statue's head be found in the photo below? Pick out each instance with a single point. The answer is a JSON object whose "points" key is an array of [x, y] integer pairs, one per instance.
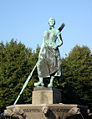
{"points": [[51, 22]]}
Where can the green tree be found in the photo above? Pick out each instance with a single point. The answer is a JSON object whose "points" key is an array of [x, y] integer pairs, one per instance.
{"points": [[77, 72], [16, 63]]}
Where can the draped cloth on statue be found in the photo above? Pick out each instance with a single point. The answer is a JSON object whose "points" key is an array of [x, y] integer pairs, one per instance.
{"points": [[49, 57], [49, 63]]}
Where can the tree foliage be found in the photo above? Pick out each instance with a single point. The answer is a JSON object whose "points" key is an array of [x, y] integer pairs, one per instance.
{"points": [[77, 72], [17, 61]]}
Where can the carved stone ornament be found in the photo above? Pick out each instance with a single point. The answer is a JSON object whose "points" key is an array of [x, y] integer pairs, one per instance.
{"points": [[15, 112]]}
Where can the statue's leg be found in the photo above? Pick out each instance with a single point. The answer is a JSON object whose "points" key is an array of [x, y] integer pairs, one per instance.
{"points": [[50, 85], [39, 83]]}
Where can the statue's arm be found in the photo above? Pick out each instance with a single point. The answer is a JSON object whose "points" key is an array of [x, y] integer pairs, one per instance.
{"points": [[60, 40], [59, 35]]}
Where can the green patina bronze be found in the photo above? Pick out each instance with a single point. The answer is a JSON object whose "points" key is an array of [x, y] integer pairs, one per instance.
{"points": [[48, 64]]}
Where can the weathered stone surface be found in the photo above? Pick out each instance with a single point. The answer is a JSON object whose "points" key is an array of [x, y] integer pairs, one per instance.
{"points": [[46, 96], [36, 111], [44, 111], [46, 104]]}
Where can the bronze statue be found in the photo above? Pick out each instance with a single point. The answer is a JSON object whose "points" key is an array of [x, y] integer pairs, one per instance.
{"points": [[49, 64]]}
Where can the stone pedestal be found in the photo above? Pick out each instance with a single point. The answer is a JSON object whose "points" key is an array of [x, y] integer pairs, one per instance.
{"points": [[46, 96]]}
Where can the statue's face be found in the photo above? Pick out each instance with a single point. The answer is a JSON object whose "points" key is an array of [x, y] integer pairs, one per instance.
{"points": [[51, 22]]}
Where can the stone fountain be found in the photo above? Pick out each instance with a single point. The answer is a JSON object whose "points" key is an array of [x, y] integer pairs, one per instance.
{"points": [[47, 101]]}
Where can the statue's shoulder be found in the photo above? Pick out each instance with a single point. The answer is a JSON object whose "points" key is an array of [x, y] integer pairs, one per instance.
{"points": [[56, 31], [46, 31]]}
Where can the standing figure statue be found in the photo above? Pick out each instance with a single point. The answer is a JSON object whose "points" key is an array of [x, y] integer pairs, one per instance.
{"points": [[49, 64]]}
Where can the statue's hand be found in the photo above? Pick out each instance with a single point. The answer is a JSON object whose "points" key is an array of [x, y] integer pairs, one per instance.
{"points": [[55, 47]]}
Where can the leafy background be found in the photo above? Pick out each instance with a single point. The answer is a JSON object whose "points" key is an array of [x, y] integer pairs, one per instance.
{"points": [[17, 61]]}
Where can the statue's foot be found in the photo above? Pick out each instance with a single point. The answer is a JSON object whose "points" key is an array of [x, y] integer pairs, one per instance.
{"points": [[39, 84], [42, 84], [50, 85]]}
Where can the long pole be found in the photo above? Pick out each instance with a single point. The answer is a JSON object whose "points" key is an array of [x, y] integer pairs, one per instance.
{"points": [[30, 75], [25, 84]]}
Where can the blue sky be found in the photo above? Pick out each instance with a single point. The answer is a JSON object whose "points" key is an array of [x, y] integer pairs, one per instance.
{"points": [[26, 21]]}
